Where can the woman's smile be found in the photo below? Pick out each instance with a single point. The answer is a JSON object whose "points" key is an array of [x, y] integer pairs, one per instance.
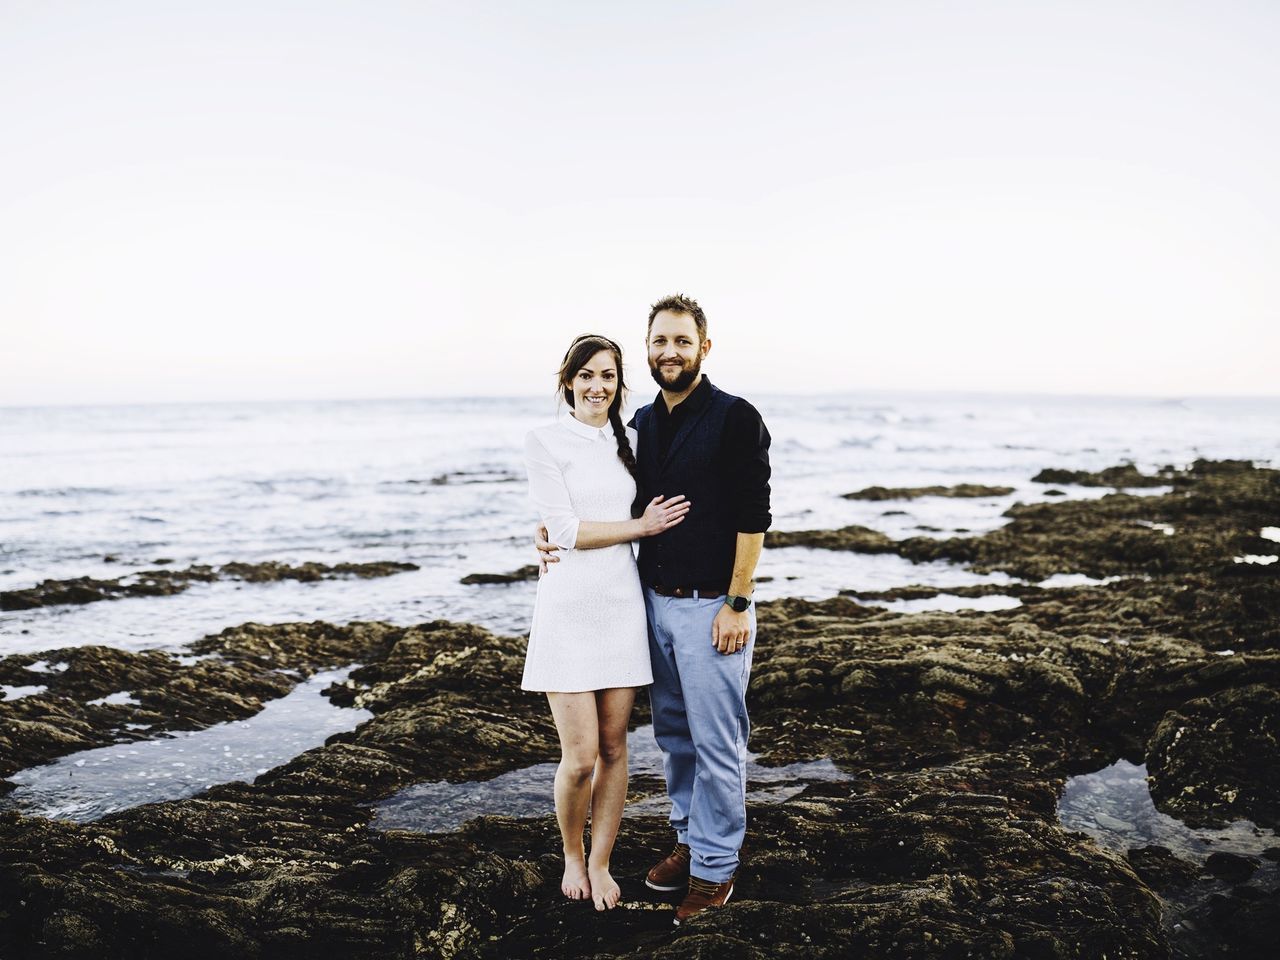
{"points": [[594, 387]]}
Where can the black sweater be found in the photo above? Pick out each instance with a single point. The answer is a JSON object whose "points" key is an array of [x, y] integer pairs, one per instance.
{"points": [[713, 448]]}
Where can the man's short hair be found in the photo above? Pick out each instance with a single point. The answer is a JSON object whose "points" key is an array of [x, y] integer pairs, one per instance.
{"points": [[679, 303]]}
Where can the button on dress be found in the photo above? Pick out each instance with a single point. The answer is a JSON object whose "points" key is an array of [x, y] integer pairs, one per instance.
{"points": [[589, 630]]}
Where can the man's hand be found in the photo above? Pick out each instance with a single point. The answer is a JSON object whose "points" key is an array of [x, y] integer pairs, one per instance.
{"points": [[546, 549], [730, 630]]}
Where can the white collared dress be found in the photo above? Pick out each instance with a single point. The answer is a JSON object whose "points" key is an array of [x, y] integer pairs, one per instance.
{"points": [[589, 630]]}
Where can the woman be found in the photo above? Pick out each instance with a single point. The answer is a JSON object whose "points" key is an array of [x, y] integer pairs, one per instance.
{"points": [[588, 646]]}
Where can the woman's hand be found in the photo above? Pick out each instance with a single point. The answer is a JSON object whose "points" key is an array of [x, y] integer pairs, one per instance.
{"points": [[662, 515], [546, 549]]}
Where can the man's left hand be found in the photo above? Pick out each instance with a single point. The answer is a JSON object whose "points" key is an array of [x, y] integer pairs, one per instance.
{"points": [[730, 630]]}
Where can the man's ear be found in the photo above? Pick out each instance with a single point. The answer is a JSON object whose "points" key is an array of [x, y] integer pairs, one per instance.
{"points": [[706, 348]]}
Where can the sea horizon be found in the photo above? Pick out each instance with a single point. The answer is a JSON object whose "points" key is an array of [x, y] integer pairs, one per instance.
{"points": [[634, 391]]}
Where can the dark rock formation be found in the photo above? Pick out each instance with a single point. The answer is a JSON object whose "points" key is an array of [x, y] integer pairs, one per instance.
{"points": [[1216, 512], [855, 538], [472, 476], [965, 826], [1215, 759], [1160, 868], [911, 493], [163, 583], [1125, 475], [958, 731], [1231, 866], [515, 576]]}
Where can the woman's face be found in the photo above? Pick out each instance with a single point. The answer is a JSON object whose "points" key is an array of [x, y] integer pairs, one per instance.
{"points": [[594, 387]]}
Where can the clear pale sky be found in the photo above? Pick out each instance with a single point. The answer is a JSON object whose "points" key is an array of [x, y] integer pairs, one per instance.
{"points": [[257, 200]]}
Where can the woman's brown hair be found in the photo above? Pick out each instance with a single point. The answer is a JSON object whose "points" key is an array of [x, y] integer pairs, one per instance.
{"points": [[580, 351]]}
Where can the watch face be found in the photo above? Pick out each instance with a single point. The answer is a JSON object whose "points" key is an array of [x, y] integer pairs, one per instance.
{"points": [[739, 604]]}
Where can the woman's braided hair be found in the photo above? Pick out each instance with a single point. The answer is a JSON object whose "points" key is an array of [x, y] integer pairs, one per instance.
{"points": [[580, 351]]}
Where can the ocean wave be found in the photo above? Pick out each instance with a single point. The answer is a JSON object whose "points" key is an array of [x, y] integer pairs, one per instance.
{"points": [[69, 492]]}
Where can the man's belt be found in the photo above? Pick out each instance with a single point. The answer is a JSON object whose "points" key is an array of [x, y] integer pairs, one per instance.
{"points": [[705, 591]]}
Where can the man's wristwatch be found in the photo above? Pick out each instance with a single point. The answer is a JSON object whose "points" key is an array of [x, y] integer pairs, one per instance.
{"points": [[737, 604]]}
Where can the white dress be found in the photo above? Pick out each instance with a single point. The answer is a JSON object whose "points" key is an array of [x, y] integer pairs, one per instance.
{"points": [[589, 630]]}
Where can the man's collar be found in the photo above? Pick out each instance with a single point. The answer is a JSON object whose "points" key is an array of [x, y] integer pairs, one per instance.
{"points": [[583, 429], [693, 402]]}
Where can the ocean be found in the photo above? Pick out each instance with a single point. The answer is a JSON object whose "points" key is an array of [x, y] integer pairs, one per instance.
{"points": [[107, 491]]}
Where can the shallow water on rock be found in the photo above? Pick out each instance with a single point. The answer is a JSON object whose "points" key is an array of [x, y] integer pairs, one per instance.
{"points": [[948, 603], [17, 693], [440, 807], [1114, 806], [92, 783], [1075, 580]]}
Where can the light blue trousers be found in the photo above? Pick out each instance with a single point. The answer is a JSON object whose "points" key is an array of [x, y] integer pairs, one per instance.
{"points": [[700, 722]]}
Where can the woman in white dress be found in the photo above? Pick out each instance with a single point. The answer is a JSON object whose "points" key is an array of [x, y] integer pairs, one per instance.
{"points": [[588, 645]]}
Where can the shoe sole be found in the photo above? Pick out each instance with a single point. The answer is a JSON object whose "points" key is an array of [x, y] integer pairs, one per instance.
{"points": [[676, 920], [653, 886]]}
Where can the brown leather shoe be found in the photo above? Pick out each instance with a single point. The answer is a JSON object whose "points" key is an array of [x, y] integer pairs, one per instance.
{"points": [[703, 894], [671, 873]]}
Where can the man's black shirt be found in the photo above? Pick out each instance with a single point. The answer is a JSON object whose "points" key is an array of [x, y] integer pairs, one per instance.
{"points": [[744, 454]]}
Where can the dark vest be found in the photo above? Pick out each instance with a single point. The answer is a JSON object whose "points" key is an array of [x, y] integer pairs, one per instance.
{"points": [[698, 551]]}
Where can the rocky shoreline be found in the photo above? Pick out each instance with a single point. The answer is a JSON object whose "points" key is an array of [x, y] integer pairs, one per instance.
{"points": [[958, 730], [914, 493], [164, 583]]}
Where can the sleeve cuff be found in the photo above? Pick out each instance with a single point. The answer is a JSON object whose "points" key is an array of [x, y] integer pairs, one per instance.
{"points": [[563, 532]]}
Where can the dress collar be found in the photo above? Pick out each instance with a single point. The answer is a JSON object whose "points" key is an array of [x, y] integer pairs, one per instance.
{"points": [[576, 426]]}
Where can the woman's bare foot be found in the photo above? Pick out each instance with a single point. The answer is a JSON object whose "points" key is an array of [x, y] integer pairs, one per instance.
{"points": [[604, 889], [576, 884]]}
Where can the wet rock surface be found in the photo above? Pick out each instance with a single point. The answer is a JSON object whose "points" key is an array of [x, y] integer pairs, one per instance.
{"points": [[1161, 868], [167, 695], [912, 493], [958, 730], [515, 576], [1123, 475], [856, 538], [1216, 510], [1217, 758], [919, 592], [163, 583]]}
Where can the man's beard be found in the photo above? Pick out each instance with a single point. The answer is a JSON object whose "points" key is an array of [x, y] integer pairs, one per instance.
{"points": [[683, 380]]}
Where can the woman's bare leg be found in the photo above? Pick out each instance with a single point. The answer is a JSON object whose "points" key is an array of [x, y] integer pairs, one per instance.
{"points": [[609, 791], [576, 723]]}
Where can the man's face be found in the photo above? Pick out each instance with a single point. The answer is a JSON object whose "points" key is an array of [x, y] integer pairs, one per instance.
{"points": [[675, 353]]}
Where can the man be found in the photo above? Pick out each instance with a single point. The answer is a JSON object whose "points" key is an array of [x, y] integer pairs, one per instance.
{"points": [[697, 440]]}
